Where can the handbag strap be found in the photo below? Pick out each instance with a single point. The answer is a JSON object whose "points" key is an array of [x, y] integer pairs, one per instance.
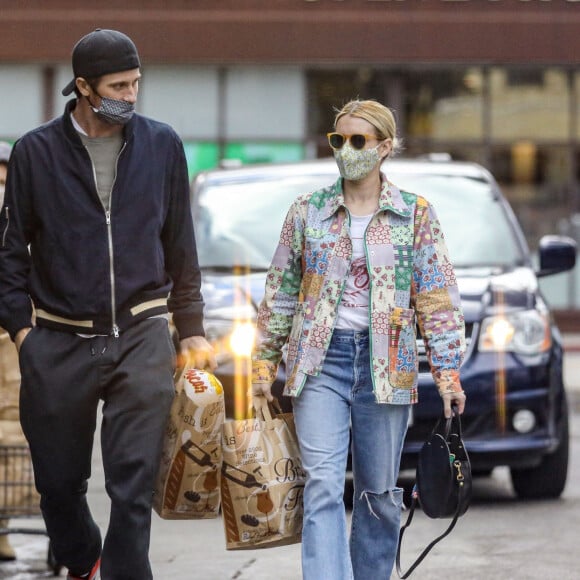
{"points": [[434, 542], [446, 426]]}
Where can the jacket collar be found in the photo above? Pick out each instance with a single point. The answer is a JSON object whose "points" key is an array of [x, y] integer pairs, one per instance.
{"points": [[390, 199]]}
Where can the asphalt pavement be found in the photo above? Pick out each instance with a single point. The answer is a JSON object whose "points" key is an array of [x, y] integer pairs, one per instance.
{"points": [[195, 550]]}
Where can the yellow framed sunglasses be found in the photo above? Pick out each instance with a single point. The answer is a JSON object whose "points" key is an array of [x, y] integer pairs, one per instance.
{"points": [[357, 141]]}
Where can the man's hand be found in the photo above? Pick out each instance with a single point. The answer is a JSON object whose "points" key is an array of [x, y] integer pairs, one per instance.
{"points": [[199, 352], [451, 398], [20, 336]]}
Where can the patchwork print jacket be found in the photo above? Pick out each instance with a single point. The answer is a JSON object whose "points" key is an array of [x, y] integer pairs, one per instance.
{"points": [[412, 283]]}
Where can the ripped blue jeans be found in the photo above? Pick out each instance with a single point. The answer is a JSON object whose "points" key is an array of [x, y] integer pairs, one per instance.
{"points": [[339, 398]]}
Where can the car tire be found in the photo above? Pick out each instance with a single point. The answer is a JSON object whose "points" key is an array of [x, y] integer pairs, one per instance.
{"points": [[547, 480]]}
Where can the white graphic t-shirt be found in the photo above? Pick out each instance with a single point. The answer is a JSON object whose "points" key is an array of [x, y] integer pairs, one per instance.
{"points": [[353, 310]]}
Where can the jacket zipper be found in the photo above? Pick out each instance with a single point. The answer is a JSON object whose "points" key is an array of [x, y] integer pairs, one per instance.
{"points": [[5, 232], [115, 328]]}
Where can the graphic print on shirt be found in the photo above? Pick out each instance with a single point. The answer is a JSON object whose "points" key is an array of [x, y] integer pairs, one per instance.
{"points": [[357, 287], [353, 310]]}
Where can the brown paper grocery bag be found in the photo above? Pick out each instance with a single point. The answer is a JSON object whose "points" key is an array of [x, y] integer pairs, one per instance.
{"points": [[9, 374], [18, 495], [262, 482], [188, 482]]}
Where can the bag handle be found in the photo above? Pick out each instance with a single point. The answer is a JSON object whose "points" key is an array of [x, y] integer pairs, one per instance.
{"points": [[447, 426], [181, 365], [263, 408], [452, 425], [432, 544]]}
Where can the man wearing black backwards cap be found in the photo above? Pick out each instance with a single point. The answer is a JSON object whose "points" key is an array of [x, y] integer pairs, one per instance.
{"points": [[101, 197]]}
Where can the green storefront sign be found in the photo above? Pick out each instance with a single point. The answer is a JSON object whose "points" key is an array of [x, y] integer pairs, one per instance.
{"points": [[202, 156]]}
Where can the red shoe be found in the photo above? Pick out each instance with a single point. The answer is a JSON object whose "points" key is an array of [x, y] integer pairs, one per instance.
{"points": [[92, 575]]}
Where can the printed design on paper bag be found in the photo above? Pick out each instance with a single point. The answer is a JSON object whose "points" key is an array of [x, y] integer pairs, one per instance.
{"points": [[262, 483], [188, 485], [260, 498], [199, 382], [203, 459], [249, 481]]}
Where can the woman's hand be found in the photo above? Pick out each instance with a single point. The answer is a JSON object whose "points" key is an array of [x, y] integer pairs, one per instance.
{"points": [[262, 390], [453, 398]]}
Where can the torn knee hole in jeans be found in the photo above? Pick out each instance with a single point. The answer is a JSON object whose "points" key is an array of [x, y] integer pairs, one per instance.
{"points": [[367, 495]]}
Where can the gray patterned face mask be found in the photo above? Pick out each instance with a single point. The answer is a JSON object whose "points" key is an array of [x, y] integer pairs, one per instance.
{"points": [[114, 111], [355, 164]]}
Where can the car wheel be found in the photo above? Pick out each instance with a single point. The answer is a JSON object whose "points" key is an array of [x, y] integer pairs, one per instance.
{"points": [[548, 479]]}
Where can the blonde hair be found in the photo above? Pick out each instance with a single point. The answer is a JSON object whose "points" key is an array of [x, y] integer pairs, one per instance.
{"points": [[379, 116]]}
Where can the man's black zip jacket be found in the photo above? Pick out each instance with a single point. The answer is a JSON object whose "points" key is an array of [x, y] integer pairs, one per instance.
{"points": [[85, 268]]}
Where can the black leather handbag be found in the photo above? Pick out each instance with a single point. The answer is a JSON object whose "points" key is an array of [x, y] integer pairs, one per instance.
{"points": [[443, 487]]}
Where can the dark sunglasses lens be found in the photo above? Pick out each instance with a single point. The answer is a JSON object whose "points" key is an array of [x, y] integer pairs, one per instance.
{"points": [[336, 140], [358, 141]]}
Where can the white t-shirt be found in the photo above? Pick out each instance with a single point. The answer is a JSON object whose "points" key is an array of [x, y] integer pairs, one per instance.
{"points": [[353, 310]]}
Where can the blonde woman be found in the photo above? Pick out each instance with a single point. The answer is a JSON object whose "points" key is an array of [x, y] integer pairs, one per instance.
{"points": [[358, 265]]}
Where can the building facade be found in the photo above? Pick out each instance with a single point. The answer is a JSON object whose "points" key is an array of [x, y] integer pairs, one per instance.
{"points": [[493, 81]]}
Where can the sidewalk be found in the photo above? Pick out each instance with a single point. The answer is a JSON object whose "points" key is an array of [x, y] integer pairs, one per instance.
{"points": [[186, 550], [571, 342]]}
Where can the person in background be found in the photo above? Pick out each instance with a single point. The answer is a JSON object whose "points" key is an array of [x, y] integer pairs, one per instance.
{"points": [[9, 374], [359, 264], [101, 197], [5, 149]]}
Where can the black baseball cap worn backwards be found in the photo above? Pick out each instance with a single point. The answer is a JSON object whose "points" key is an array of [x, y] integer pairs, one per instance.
{"points": [[102, 52]]}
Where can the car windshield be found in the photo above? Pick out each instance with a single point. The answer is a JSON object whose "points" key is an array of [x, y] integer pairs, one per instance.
{"points": [[474, 221], [238, 222]]}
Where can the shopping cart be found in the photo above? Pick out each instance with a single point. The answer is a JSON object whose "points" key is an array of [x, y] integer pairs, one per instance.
{"points": [[18, 496]]}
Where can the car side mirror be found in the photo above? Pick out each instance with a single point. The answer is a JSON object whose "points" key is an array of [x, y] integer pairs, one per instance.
{"points": [[557, 254]]}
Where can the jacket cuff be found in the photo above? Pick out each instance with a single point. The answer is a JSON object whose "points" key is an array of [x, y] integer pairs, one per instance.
{"points": [[188, 326], [264, 372], [16, 324], [447, 381]]}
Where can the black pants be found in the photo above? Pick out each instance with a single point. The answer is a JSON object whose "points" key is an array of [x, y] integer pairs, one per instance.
{"points": [[63, 378]]}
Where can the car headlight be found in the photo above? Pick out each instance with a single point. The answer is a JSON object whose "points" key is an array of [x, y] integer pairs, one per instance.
{"points": [[524, 332]]}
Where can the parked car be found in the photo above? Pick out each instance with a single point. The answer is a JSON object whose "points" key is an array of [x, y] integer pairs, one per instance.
{"points": [[517, 412]]}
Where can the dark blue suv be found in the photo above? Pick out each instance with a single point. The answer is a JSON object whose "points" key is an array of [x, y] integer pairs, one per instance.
{"points": [[517, 412]]}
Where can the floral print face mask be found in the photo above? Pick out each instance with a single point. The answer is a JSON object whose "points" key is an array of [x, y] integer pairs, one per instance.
{"points": [[355, 164]]}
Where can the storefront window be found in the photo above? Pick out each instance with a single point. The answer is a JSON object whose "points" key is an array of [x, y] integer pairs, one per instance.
{"points": [[444, 105], [328, 91], [577, 104], [441, 105], [442, 150], [529, 103], [536, 180]]}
